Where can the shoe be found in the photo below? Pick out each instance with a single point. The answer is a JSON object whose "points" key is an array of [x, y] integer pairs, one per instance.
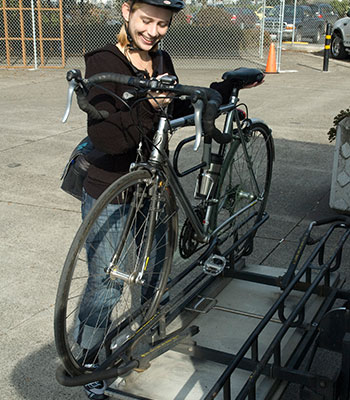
{"points": [[96, 390]]}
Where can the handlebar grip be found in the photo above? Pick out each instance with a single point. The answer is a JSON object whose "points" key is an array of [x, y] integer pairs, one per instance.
{"points": [[211, 112], [211, 97], [91, 111], [104, 77], [209, 126]]}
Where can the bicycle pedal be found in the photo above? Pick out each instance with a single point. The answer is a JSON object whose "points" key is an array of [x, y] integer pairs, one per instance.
{"points": [[214, 265]]}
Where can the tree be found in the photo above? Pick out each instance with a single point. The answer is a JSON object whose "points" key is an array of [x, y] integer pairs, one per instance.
{"points": [[341, 7]]}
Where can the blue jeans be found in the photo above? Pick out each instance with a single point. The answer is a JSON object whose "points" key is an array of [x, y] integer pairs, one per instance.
{"points": [[101, 293]]}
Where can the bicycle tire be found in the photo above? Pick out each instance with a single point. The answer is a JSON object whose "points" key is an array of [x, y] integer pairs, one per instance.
{"points": [[237, 189], [122, 298]]}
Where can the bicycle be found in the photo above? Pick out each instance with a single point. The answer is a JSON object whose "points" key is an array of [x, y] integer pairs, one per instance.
{"points": [[231, 193]]}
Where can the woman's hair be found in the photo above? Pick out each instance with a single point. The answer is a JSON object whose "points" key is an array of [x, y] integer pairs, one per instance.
{"points": [[122, 36]]}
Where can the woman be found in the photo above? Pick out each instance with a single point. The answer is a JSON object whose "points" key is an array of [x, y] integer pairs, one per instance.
{"points": [[116, 141], [118, 136]]}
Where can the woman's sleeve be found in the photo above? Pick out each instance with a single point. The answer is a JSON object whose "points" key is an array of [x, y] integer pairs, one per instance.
{"points": [[124, 128]]}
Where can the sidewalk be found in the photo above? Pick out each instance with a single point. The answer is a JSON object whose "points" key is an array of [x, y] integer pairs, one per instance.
{"points": [[39, 220]]}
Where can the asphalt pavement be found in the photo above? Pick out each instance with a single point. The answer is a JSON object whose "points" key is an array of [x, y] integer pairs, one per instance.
{"points": [[39, 220]]}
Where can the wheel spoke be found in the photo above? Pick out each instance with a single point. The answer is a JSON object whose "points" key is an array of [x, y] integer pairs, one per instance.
{"points": [[245, 186], [92, 308]]}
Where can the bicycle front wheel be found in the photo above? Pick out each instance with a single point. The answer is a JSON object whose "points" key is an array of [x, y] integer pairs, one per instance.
{"points": [[244, 189], [113, 277]]}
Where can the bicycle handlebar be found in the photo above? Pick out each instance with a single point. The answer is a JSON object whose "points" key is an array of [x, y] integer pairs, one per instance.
{"points": [[201, 97]]}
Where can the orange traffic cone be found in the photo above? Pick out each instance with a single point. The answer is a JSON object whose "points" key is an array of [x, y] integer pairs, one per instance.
{"points": [[271, 61]]}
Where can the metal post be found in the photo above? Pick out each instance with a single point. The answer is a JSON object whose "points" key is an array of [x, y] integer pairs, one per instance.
{"points": [[280, 36], [34, 35], [23, 41], [294, 17], [6, 31], [60, 8], [40, 29], [327, 46], [262, 31]]}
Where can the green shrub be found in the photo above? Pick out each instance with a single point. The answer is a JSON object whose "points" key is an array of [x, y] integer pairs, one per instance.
{"points": [[333, 131], [213, 16], [179, 19], [200, 41], [341, 7], [251, 38], [214, 41]]}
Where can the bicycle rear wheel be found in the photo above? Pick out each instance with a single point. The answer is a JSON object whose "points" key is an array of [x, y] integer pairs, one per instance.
{"points": [[244, 186], [95, 311]]}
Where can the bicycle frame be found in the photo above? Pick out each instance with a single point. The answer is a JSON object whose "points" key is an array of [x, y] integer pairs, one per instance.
{"points": [[204, 232], [160, 166]]}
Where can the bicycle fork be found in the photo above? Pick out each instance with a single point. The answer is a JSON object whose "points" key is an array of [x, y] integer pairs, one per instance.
{"points": [[145, 233]]}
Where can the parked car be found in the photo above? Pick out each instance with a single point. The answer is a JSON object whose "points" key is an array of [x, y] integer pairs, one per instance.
{"points": [[259, 11], [340, 44], [242, 17], [324, 12], [307, 25]]}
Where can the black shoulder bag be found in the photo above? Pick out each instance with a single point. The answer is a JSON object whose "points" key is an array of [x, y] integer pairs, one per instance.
{"points": [[76, 169]]}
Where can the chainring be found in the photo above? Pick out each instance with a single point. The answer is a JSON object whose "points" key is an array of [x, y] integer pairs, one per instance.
{"points": [[188, 244]]}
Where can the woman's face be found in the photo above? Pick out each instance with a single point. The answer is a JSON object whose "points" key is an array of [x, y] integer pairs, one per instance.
{"points": [[147, 24]]}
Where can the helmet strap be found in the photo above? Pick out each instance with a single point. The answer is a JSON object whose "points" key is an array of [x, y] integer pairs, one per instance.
{"points": [[131, 45]]}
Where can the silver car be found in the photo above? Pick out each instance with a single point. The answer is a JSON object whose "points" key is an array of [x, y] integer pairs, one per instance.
{"points": [[340, 45]]}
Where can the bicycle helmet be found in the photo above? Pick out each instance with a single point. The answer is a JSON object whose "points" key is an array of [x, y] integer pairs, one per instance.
{"points": [[174, 5]]}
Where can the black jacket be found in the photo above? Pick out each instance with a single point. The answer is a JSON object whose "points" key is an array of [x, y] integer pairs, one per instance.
{"points": [[116, 138]]}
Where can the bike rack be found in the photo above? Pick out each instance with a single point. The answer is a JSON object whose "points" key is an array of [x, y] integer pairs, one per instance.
{"points": [[309, 279], [316, 276]]}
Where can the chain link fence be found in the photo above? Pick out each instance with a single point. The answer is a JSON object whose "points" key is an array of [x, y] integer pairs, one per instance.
{"points": [[206, 34]]}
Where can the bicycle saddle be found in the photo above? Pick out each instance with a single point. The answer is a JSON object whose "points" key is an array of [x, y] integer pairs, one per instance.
{"points": [[241, 77]]}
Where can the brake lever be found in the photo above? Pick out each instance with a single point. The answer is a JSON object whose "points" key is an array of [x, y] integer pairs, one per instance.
{"points": [[198, 111], [71, 88], [73, 77]]}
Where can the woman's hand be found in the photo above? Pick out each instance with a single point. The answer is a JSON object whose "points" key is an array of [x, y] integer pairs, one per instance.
{"points": [[255, 84], [158, 99]]}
